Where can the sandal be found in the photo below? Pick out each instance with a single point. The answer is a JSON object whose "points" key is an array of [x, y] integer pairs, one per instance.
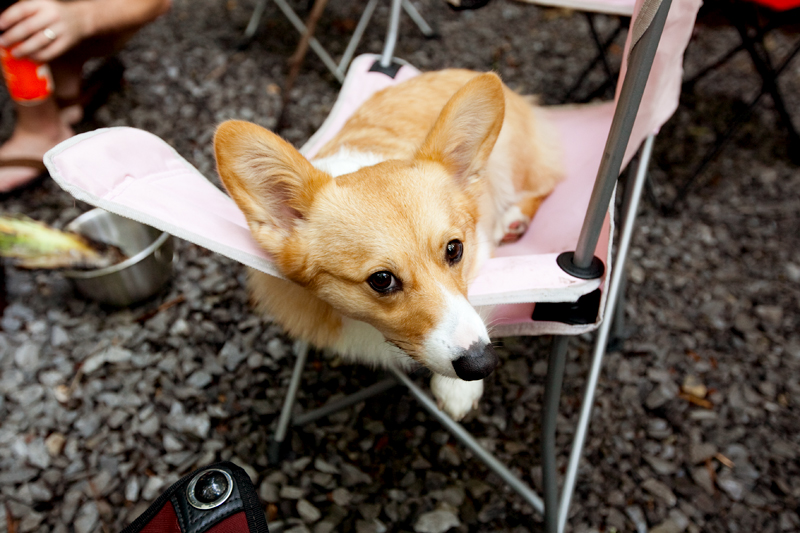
{"points": [[32, 183], [96, 88]]}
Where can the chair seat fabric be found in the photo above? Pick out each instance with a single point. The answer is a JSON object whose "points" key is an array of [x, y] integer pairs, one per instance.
{"points": [[137, 175]]}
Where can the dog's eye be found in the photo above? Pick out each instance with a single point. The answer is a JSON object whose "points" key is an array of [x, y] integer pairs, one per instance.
{"points": [[454, 251], [383, 282]]}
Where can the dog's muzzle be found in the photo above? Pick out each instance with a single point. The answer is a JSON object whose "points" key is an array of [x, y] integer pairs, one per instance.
{"points": [[477, 362]]}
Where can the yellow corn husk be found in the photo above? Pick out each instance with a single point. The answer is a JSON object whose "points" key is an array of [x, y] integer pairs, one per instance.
{"points": [[32, 244]]}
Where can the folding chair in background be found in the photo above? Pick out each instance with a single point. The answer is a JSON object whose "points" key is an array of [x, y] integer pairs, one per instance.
{"points": [[622, 10], [557, 280], [339, 69], [754, 20]]}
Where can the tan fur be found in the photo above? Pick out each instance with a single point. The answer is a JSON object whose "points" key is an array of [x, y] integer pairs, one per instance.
{"points": [[382, 126], [445, 137]]}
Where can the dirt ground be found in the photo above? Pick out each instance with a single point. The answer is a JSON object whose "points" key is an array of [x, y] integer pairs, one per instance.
{"points": [[712, 309]]}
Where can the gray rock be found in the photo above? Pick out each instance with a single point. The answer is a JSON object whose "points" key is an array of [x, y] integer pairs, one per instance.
{"points": [[232, 355], [59, 337], [702, 477], [661, 394], [180, 328], [324, 466], [438, 521], [661, 466], [276, 349], [324, 527], [199, 379], [661, 491], [37, 454], [292, 493], [730, 486], [26, 356], [636, 515], [132, 488], [150, 426], [40, 492], [193, 424], [87, 518], [352, 476], [699, 452], [667, 526], [308, 512], [152, 488], [341, 497], [31, 521], [268, 492]]}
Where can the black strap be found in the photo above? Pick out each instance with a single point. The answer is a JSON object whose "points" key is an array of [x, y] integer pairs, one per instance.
{"points": [[243, 498]]}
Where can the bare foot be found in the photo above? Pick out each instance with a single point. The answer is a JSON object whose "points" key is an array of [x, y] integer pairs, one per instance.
{"points": [[25, 144]]}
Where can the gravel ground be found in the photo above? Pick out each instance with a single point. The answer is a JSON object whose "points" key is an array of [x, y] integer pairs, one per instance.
{"points": [[102, 409]]}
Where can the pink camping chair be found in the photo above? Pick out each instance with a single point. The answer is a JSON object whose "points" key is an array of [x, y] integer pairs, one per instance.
{"points": [[558, 279]]}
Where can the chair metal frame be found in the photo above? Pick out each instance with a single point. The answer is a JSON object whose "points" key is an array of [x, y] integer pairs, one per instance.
{"points": [[339, 69], [555, 511]]}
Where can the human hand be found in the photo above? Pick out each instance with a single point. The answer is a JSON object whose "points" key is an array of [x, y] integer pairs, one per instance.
{"points": [[42, 30]]}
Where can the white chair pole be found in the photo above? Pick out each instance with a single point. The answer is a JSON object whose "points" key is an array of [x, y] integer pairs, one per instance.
{"points": [[255, 19], [552, 397], [313, 42], [414, 15], [391, 34], [458, 431], [288, 402], [356, 38], [617, 276]]}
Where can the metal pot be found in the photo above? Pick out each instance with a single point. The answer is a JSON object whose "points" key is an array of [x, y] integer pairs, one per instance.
{"points": [[147, 269]]}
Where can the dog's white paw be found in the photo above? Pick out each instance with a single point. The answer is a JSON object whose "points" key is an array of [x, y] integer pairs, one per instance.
{"points": [[456, 397], [511, 226]]}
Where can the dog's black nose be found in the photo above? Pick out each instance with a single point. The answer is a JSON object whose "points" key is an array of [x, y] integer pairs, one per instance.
{"points": [[476, 362]]}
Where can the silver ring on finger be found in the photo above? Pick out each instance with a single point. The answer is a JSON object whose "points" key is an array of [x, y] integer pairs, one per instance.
{"points": [[50, 34]]}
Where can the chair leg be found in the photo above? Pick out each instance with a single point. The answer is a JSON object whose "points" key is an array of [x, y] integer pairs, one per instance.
{"points": [[458, 431], [288, 403], [602, 48], [552, 396], [391, 34], [769, 76], [414, 15], [355, 39], [313, 43], [757, 50], [255, 20], [617, 274], [343, 403]]}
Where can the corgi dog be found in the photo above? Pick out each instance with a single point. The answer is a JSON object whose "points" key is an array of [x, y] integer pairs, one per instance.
{"points": [[379, 235]]}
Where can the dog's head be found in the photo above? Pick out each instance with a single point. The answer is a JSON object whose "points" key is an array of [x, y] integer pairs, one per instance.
{"points": [[394, 244]]}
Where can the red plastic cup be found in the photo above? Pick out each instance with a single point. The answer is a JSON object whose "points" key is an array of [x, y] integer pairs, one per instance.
{"points": [[28, 82]]}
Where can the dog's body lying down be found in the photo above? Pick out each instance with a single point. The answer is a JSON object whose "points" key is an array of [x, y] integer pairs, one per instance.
{"points": [[381, 233]]}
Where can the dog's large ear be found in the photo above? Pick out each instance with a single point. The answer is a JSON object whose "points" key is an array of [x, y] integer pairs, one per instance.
{"points": [[270, 181], [467, 128]]}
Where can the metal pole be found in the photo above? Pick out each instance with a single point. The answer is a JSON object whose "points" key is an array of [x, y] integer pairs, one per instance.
{"points": [[356, 38], [313, 42], [391, 34], [640, 60], [288, 402], [467, 440], [343, 403], [255, 19], [423, 26], [552, 395], [617, 275]]}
